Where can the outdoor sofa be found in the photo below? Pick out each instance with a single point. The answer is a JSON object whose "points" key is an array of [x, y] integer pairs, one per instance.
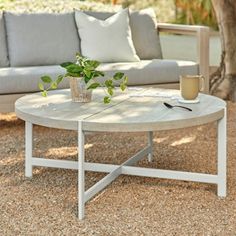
{"points": [[32, 45]]}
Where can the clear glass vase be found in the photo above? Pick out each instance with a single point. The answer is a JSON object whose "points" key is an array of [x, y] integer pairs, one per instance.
{"points": [[79, 91]]}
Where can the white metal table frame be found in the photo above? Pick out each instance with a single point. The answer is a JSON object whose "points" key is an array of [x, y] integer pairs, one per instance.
{"points": [[127, 167]]}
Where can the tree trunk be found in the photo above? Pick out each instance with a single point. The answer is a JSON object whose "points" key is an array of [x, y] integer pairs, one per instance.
{"points": [[223, 82]]}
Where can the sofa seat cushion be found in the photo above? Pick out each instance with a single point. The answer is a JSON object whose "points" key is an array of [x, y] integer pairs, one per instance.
{"points": [[26, 79], [151, 71], [41, 39], [3, 44]]}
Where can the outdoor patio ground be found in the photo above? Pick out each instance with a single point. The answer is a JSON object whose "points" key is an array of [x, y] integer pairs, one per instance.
{"points": [[47, 203]]}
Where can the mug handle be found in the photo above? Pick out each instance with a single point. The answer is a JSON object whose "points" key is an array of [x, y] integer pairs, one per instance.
{"points": [[202, 82]]}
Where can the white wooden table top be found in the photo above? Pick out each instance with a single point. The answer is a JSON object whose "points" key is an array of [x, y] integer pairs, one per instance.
{"points": [[125, 114]]}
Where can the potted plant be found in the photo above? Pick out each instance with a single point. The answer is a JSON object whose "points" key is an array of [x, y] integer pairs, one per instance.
{"points": [[81, 75]]}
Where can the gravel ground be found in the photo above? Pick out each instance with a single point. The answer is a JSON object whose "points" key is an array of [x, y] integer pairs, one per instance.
{"points": [[47, 203]]}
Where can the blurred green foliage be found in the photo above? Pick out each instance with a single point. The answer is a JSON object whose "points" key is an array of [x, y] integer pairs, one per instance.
{"points": [[164, 9], [176, 11], [194, 12], [54, 5], [197, 12]]}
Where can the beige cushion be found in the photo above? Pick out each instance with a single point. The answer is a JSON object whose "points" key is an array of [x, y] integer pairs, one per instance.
{"points": [[107, 40], [3, 46], [41, 39], [25, 79], [144, 34]]}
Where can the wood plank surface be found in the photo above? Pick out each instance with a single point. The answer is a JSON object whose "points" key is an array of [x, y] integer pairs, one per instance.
{"points": [[127, 112]]}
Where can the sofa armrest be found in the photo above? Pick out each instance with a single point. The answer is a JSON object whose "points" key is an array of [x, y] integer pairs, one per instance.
{"points": [[202, 34]]}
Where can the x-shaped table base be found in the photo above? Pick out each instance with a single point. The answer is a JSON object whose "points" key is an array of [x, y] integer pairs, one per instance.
{"points": [[126, 168]]}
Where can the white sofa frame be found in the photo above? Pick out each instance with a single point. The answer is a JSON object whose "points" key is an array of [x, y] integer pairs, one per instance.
{"points": [[7, 101]]}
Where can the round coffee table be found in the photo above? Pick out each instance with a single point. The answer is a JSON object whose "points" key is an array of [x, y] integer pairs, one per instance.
{"points": [[133, 111]]}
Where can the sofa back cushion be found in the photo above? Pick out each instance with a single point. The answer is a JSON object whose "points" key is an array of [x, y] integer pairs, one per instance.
{"points": [[144, 33], [3, 45], [41, 39]]}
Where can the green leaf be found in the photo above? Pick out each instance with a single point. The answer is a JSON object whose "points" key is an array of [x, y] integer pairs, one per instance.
{"points": [[73, 68], [65, 64], [87, 73], [94, 64], [91, 65], [59, 79], [110, 91], [41, 87], [109, 83], [118, 75], [94, 86], [78, 56], [125, 80], [54, 85], [106, 100], [86, 79], [44, 93], [46, 79], [97, 73], [123, 86], [69, 74]]}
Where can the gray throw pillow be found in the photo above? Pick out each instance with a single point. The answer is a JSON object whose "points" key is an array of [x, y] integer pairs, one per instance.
{"points": [[41, 38], [145, 36], [3, 45]]}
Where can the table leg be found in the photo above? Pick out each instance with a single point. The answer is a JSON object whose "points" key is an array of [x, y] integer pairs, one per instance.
{"points": [[222, 156], [150, 144], [28, 148], [81, 171]]}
